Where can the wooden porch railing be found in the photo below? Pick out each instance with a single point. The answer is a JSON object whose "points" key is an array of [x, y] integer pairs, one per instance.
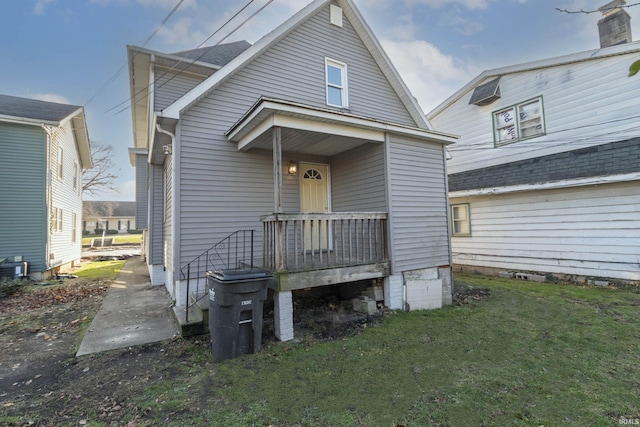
{"points": [[313, 241]]}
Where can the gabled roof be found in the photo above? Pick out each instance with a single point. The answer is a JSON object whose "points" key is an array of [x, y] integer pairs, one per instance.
{"points": [[219, 55], [36, 113], [589, 55], [33, 110], [360, 26]]}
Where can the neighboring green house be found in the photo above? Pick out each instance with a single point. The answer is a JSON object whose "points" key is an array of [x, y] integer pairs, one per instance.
{"points": [[45, 148]]}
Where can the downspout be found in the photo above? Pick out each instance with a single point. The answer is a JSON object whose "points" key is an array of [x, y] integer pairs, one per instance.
{"points": [[445, 156]]}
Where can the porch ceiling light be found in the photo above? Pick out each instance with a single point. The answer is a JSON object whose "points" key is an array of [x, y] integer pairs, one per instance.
{"points": [[293, 168]]}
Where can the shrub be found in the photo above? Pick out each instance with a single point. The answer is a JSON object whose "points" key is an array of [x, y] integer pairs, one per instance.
{"points": [[9, 286], [98, 230], [134, 231], [85, 232], [112, 231]]}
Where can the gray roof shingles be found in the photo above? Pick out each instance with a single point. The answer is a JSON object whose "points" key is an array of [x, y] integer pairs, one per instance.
{"points": [[34, 109], [219, 55]]}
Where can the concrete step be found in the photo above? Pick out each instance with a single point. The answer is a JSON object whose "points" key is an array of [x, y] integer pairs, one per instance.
{"points": [[195, 325]]}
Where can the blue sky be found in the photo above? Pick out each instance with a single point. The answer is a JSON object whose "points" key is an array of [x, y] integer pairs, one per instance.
{"points": [[70, 50]]}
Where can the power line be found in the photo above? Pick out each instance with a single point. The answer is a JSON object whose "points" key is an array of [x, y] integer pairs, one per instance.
{"points": [[151, 36], [193, 61]]}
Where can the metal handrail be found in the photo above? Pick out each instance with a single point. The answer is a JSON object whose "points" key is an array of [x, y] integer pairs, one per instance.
{"points": [[231, 253]]}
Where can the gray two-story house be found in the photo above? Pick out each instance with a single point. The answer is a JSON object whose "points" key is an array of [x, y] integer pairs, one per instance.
{"points": [[310, 142]]}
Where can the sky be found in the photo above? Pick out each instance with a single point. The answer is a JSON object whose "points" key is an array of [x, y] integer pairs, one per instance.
{"points": [[74, 51]]}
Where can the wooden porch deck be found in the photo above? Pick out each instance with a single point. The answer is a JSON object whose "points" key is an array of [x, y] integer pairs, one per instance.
{"points": [[319, 249]]}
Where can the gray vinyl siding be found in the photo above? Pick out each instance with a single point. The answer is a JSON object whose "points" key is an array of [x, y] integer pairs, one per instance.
{"points": [[171, 85], [358, 180], [168, 217], [156, 220], [142, 191], [64, 196], [223, 190], [417, 196], [23, 214]]}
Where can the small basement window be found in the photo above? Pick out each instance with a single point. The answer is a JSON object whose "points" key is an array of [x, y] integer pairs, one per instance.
{"points": [[460, 220], [520, 121]]}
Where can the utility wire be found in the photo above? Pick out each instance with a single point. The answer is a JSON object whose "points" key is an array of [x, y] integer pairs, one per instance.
{"points": [[122, 67], [192, 61]]}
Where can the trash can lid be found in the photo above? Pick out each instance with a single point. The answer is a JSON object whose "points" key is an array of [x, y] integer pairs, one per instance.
{"points": [[234, 275]]}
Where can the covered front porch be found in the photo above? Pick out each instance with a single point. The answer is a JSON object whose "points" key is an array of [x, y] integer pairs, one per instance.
{"points": [[337, 231]]}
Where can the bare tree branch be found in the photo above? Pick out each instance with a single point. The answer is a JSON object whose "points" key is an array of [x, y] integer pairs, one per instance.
{"points": [[103, 173], [594, 11]]}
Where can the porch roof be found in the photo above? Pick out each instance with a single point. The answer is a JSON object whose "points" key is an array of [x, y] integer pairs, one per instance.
{"points": [[312, 130]]}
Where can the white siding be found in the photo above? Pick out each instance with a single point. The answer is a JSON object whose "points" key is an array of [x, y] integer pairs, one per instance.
{"points": [[65, 197], [590, 231], [417, 196], [585, 103]]}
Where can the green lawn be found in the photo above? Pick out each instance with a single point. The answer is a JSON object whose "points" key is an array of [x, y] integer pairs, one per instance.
{"points": [[530, 355], [118, 238]]}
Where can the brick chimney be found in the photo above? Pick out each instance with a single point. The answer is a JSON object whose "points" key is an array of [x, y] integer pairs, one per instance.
{"points": [[615, 25]]}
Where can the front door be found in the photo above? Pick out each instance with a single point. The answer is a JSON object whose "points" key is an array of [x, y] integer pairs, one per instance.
{"points": [[314, 198]]}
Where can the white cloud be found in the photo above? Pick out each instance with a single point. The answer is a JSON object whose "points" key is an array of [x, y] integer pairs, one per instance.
{"points": [[405, 29], [163, 4], [38, 8], [51, 97], [469, 4], [430, 75]]}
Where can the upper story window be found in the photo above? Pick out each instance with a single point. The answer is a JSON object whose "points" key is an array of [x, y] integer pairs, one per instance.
{"points": [[336, 75], [75, 176], [520, 121], [60, 163]]}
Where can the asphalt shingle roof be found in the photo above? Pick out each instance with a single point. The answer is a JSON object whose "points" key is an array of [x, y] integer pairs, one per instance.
{"points": [[26, 108], [217, 55]]}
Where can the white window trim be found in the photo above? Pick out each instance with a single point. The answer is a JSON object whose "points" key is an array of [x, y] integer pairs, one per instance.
{"points": [[75, 176], [74, 227], [345, 87], [467, 207], [519, 137]]}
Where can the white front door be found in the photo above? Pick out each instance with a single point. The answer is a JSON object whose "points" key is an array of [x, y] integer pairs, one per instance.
{"points": [[314, 198]]}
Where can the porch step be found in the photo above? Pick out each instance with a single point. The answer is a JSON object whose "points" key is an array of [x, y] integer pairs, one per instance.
{"points": [[197, 323]]}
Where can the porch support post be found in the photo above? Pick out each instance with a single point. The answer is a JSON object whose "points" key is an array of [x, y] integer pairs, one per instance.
{"points": [[283, 311], [277, 192]]}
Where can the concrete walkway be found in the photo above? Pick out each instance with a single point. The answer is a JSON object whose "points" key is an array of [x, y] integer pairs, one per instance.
{"points": [[132, 313]]}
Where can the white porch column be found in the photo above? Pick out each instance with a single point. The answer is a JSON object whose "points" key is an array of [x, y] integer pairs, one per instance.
{"points": [[283, 311]]}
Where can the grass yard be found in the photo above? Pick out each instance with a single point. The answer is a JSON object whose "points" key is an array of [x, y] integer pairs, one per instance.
{"points": [[530, 355], [119, 239]]}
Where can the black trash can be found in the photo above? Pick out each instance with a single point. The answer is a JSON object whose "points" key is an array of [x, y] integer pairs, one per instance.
{"points": [[236, 299]]}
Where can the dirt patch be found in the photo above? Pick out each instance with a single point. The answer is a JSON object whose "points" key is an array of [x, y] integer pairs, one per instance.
{"points": [[43, 383], [465, 294]]}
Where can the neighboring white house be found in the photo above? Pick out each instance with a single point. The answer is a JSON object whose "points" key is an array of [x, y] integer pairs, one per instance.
{"points": [[45, 149], [108, 215], [546, 176], [307, 144]]}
